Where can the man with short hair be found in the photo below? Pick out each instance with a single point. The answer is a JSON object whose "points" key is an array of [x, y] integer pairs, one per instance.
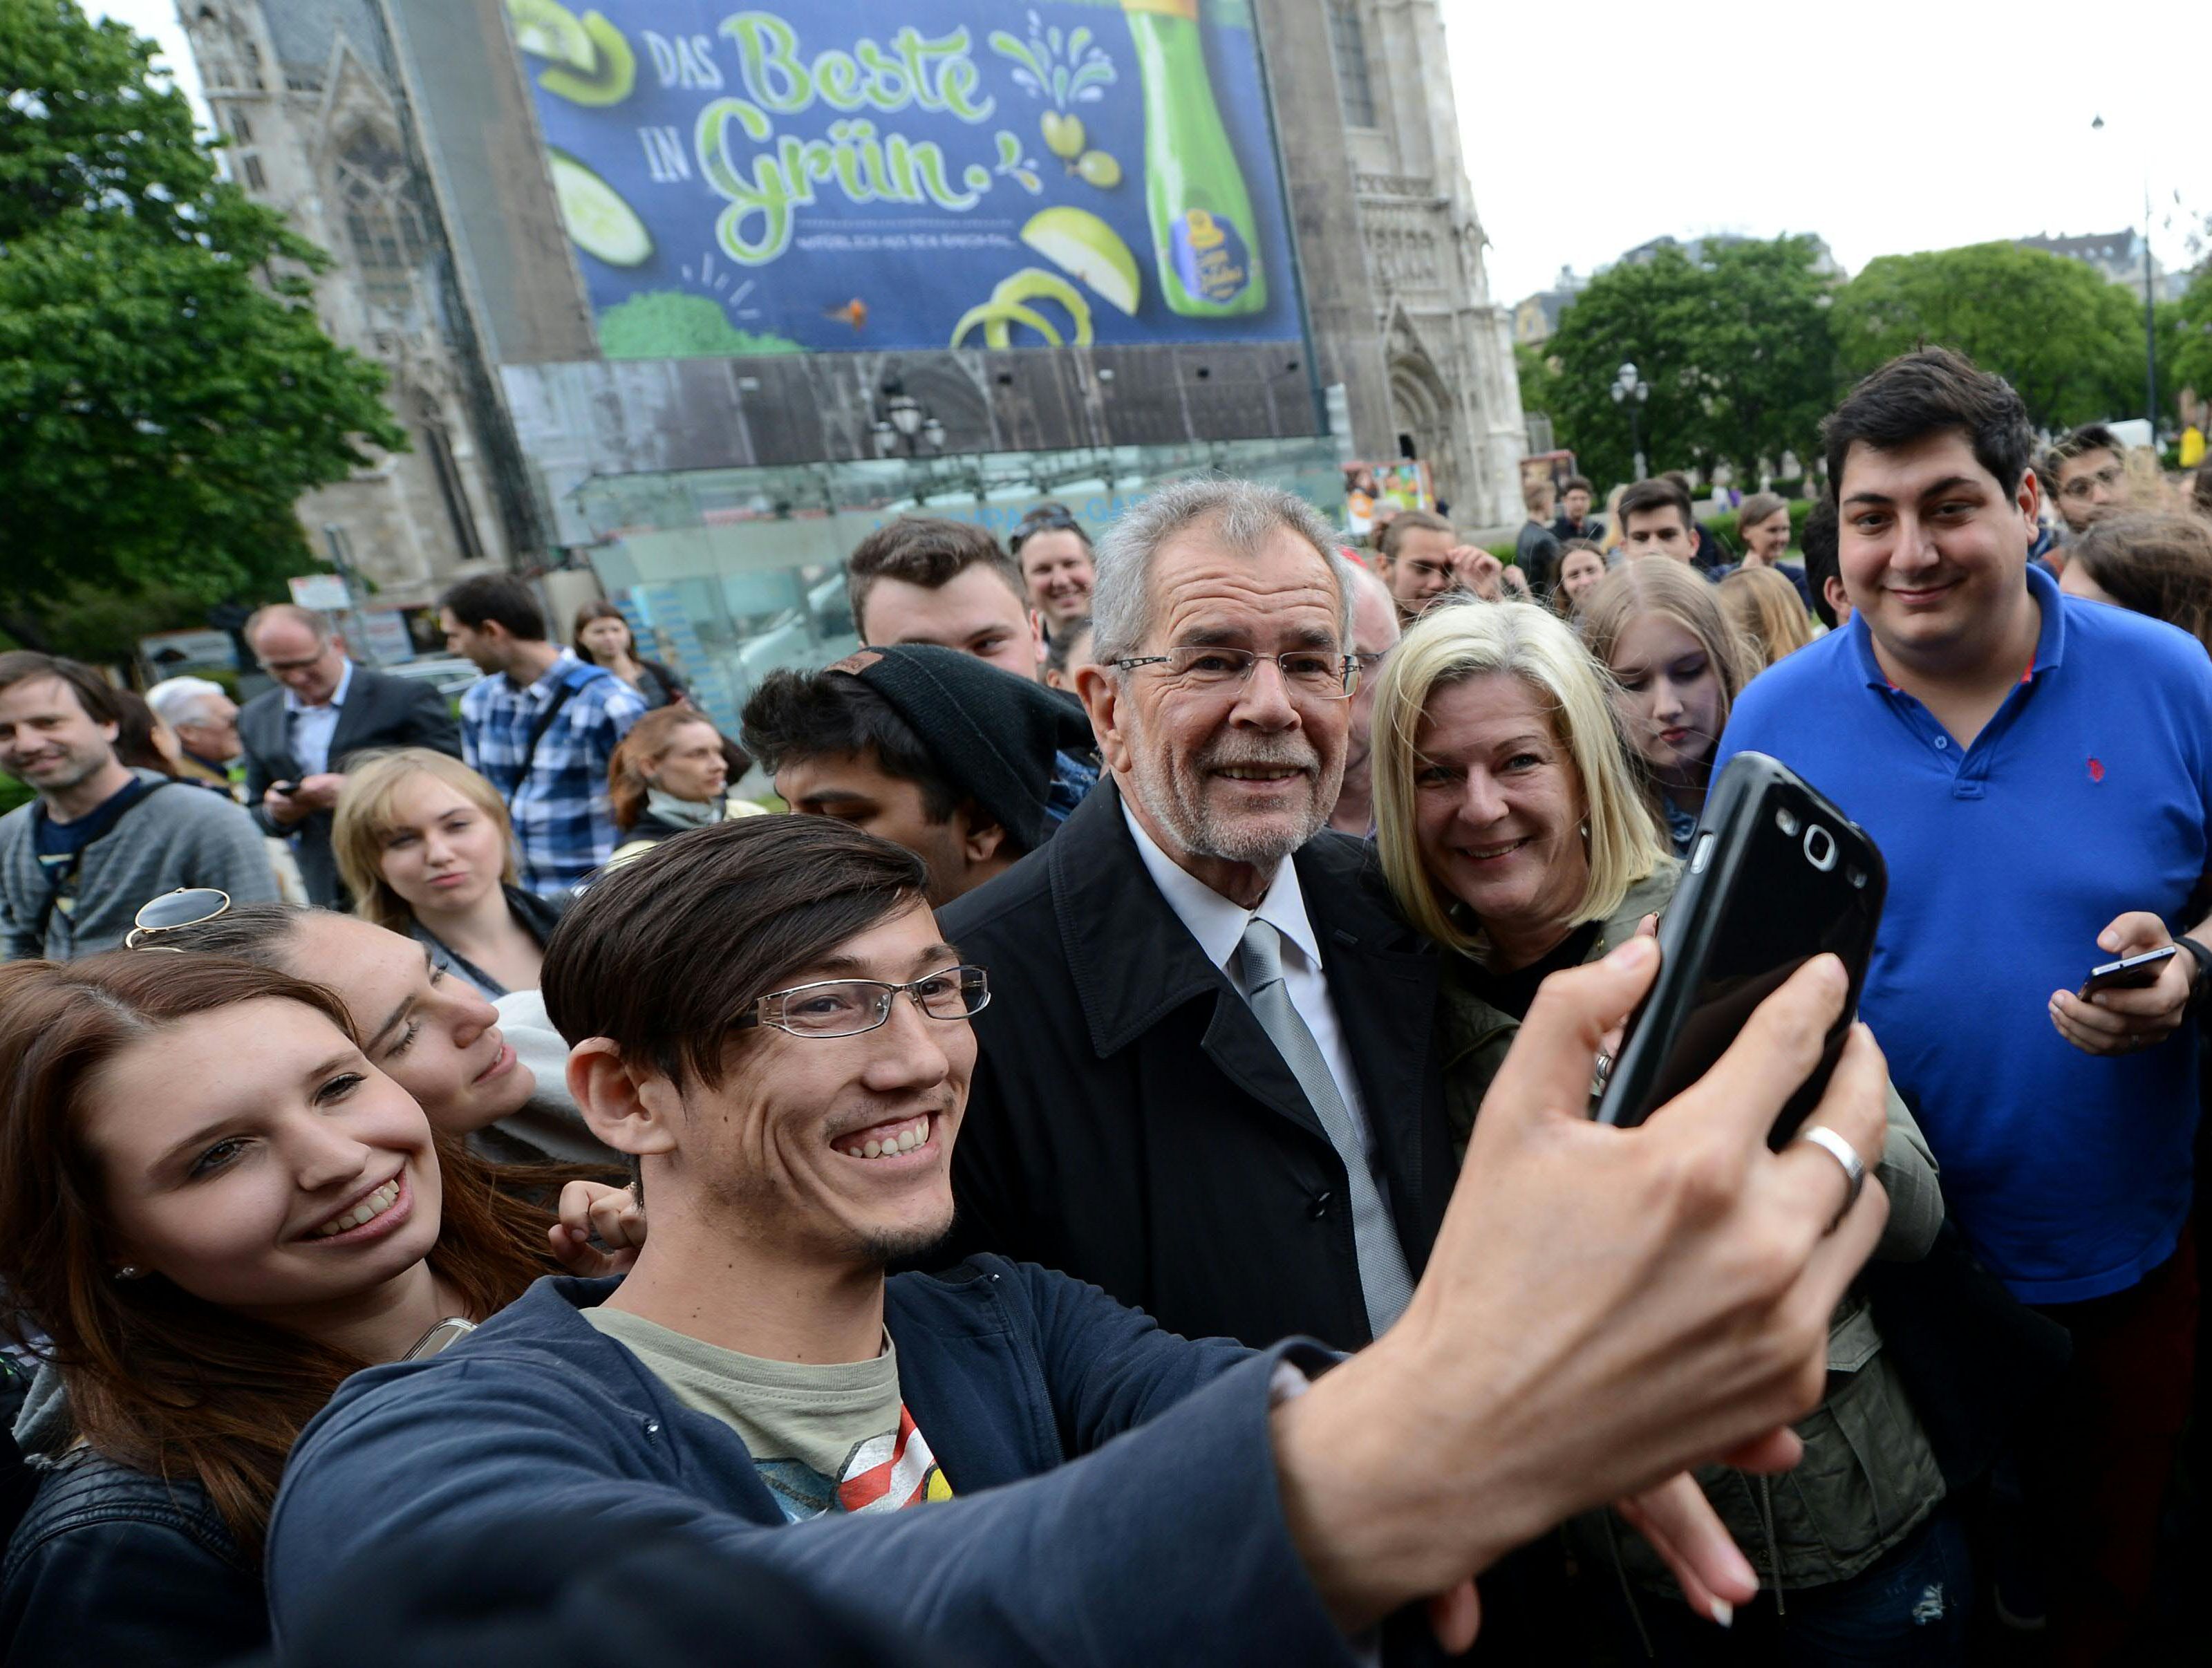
{"points": [[205, 720], [1824, 583], [1374, 631], [1198, 980], [1054, 552], [540, 726], [101, 840], [1575, 520], [1002, 1461], [1657, 519], [2081, 475], [933, 750], [1967, 710], [326, 708], [1418, 552], [1536, 552], [924, 579]]}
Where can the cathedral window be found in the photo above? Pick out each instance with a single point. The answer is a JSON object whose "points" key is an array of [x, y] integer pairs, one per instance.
{"points": [[1348, 37]]}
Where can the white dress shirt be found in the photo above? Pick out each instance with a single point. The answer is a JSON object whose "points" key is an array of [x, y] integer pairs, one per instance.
{"points": [[1218, 926], [312, 727]]}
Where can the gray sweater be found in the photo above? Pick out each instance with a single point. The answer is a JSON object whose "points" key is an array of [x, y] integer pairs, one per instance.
{"points": [[178, 836]]}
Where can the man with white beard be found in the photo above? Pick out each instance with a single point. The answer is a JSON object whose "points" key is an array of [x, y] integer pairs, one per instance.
{"points": [[1205, 1083]]}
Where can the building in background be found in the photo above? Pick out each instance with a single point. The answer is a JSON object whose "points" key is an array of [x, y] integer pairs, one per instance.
{"points": [[2118, 256], [696, 295], [309, 97]]}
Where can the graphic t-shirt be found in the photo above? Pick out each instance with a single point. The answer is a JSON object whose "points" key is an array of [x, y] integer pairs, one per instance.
{"points": [[832, 1437]]}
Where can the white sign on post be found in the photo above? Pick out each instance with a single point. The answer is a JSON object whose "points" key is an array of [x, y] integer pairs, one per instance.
{"points": [[320, 590]]}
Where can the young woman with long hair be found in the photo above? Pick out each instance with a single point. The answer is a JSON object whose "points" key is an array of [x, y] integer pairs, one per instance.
{"points": [[1654, 623], [424, 845], [603, 638], [214, 1208]]}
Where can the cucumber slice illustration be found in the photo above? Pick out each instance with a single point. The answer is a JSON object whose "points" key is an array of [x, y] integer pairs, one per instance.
{"points": [[614, 72], [602, 224], [545, 28]]}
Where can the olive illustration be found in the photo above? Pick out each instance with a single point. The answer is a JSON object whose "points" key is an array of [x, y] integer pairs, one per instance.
{"points": [[1100, 169], [1063, 133]]}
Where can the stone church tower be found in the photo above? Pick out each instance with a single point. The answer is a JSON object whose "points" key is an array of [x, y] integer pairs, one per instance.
{"points": [[1447, 348], [307, 94]]}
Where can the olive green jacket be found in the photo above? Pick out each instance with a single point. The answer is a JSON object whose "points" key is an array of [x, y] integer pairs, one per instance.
{"points": [[1869, 1477]]}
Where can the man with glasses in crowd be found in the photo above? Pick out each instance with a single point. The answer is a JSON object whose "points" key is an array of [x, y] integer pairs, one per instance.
{"points": [[1374, 632], [1003, 1461], [1207, 1086], [298, 736], [100, 838], [2082, 474]]}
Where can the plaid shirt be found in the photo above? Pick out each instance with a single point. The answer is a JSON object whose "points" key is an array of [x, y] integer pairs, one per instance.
{"points": [[564, 822]]}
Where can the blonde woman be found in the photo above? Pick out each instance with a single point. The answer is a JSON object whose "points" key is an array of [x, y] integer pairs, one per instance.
{"points": [[1677, 665], [1512, 832], [1766, 612], [424, 845]]}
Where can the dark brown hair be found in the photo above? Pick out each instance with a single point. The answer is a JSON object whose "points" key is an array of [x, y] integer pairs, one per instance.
{"points": [[1925, 392], [1577, 483], [2089, 437], [134, 735], [1662, 492], [637, 752], [805, 715], [927, 551], [2155, 564], [1817, 541], [94, 692], [158, 1380], [1407, 520], [662, 954], [598, 609], [497, 597]]}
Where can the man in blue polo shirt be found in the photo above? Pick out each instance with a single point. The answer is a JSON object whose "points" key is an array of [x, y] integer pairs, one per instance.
{"points": [[2038, 772]]}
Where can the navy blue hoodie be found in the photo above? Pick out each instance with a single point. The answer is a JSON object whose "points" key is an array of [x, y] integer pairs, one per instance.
{"points": [[1167, 1544]]}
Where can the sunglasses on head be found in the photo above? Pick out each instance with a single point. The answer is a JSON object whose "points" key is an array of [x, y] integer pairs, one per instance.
{"points": [[187, 906], [1042, 521]]}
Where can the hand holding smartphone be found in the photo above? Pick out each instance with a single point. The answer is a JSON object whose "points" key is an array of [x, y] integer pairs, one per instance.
{"points": [[1776, 875], [2129, 973]]}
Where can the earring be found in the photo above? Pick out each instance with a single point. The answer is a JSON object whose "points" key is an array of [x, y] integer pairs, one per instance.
{"points": [[131, 1271], [1585, 830]]}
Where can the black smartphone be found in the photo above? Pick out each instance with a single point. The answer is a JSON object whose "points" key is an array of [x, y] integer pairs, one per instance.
{"points": [[2129, 973], [1776, 875], [287, 788]]}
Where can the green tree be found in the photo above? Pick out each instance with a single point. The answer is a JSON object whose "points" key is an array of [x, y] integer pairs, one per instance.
{"points": [[2069, 341], [165, 390], [1734, 346], [2184, 354]]}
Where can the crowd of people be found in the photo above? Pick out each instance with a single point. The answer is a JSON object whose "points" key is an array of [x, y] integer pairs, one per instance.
{"points": [[1103, 1174]]}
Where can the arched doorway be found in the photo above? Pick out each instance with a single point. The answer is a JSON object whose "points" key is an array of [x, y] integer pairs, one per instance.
{"points": [[1420, 409]]}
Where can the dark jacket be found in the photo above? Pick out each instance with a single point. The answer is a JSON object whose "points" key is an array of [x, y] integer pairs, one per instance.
{"points": [[536, 915], [1168, 1545], [380, 711], [110, 1565], [1131, 1123]]}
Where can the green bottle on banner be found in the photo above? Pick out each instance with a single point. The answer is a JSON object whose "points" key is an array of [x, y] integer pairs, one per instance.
{"points": [[1203, 234]]}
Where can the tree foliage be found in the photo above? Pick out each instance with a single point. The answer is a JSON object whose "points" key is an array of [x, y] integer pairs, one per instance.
{"points": [[2184, 359], [2067, 340], [165, 390], [1734, 346]]}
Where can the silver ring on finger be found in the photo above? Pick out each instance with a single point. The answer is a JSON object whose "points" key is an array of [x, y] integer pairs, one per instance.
{"points": [[1854, 1170]]}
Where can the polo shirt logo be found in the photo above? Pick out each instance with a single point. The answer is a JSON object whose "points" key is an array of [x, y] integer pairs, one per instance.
{"points": [[2096, 770]]}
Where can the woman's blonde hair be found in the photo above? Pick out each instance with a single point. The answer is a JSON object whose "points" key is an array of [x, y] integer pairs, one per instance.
{"points": [[1766, 612], [1459, 639], [363, 820], [1676, 591]]}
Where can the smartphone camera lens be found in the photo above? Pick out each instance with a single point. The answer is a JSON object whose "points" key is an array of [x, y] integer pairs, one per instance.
{"points": [[1858, 878], [1787, 822], [1820, 848]]}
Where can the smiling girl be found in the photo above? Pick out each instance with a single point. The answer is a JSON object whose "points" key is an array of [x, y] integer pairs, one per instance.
{"points": [[1656, 625], [214, 1208]]}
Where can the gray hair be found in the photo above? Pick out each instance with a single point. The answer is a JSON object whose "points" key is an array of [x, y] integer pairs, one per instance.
{"points": [[182, 700], [1242, 514]]}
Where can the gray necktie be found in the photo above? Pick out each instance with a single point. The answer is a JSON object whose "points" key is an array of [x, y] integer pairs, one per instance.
{"points": [[1384, 1281]]}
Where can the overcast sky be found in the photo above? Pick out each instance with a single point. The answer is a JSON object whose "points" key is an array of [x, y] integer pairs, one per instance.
{"points": [[1884, 126]]}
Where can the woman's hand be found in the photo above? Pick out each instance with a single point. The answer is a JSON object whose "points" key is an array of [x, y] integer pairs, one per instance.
{"points": [[612, 1213]]}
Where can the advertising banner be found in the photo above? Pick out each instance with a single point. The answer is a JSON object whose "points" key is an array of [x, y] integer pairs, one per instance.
{"points": [[868, 174]]}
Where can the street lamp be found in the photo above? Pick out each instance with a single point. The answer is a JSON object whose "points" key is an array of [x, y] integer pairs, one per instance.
{"points": [[2150, 310], [1631, 390], [902, 420]]}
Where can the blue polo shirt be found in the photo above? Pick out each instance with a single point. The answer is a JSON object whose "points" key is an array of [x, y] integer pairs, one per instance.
{"points": [[2086, 796]]}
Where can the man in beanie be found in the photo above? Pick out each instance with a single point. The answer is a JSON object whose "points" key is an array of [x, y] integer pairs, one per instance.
{"points": [[929, 748]]}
